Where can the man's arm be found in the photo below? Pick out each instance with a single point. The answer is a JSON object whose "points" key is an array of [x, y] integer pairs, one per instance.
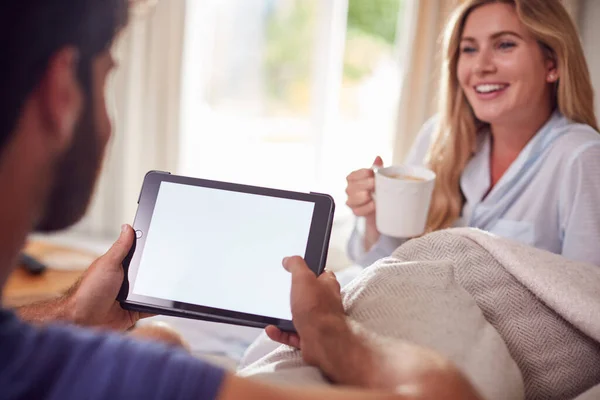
{"points": [[350, 356], [402, 372], [46, 311], [235, 388], [91, 301]]}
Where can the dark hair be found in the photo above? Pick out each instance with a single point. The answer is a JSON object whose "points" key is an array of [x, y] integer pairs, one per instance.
{"points": [[32, 31]]}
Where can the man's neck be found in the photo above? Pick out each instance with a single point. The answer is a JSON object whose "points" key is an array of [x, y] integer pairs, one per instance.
{"points": [[20, 183]]}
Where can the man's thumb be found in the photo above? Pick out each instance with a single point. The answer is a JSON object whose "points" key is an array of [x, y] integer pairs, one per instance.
{"points": [[297, 267], [121, 247], [378, 162]]}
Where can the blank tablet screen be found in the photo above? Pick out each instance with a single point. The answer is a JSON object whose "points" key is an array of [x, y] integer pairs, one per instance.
{"points": [[223, 249]]}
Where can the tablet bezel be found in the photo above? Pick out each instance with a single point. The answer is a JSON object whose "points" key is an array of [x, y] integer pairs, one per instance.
{"points": [[315, 256]]}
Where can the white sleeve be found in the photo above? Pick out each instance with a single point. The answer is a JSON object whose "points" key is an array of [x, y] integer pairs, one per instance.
{"points": [[386, 244], [579, 207]]}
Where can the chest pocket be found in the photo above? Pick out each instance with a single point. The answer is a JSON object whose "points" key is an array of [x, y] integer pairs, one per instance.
{"points": [[521, 231]]}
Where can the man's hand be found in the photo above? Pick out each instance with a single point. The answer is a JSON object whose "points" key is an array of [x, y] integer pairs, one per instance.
{"points": [[318, 315], [91, 301]]}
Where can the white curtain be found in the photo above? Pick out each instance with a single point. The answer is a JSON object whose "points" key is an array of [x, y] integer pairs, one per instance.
{"points": [[425, 20], [146, 92], [589, 15]]}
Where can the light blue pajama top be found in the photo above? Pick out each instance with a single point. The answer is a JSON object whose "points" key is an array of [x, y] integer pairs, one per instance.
{"points": [[548, 198]]}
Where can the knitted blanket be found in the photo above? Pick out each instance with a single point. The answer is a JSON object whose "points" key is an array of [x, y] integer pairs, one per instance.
{"points": [[519, 322]]}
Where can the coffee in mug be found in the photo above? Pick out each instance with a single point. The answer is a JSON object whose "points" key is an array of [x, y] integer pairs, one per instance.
{"points": [[406, 177]]}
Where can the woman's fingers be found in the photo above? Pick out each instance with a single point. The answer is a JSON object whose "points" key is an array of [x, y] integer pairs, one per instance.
{"points": [[364, 211]]}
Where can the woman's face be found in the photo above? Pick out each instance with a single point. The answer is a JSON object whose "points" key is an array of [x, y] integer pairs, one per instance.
{"points": [[501, 67]]}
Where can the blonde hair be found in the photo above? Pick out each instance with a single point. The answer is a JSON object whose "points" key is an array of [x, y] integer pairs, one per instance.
{"points": [[456, 132]]}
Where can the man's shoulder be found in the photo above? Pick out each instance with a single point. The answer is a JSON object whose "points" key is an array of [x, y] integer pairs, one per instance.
{"points": [[67, 362]]}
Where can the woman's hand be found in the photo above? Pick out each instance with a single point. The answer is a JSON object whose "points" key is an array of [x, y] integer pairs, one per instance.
{"points": [[361, 185]]}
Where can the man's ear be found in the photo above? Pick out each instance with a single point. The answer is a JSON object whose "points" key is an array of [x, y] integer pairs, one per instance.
{"points": [[60, 97]]}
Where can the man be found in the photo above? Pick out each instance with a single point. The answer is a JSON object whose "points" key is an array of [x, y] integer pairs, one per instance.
{"points": [[53, 131]]}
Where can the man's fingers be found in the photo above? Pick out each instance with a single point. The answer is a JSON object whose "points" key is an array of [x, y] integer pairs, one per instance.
{"points": [[160, 332], [121, 247], [330, 280], [293, 340], [328, 275], [277, 335], [143, 315], [136, 315], [297, 266], [273, 333], [303, 278]]}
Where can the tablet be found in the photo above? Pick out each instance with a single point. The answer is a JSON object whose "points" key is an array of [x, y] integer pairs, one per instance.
{"points": [[213, 250]]}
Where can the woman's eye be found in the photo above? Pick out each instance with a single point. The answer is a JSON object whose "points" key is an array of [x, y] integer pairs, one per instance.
{"points": [[467, 49], [506, 45]]}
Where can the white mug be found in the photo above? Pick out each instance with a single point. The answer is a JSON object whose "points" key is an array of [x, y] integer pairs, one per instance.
{"points": [[402, 199]]}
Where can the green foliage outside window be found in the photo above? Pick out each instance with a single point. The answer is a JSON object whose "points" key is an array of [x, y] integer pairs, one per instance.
{"points": [[291, 31]]}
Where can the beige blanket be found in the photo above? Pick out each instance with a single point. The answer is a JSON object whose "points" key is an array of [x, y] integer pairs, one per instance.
{"points": [[519, 322]]}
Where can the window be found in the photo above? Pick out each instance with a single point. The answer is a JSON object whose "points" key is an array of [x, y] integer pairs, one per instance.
{"points": [[292, 94]]}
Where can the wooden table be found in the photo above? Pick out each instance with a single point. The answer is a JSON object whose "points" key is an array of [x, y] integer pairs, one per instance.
{"points": [[24, 288]]}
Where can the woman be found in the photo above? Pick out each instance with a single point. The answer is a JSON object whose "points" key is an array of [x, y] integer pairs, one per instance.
{"points": [[515, 145]]}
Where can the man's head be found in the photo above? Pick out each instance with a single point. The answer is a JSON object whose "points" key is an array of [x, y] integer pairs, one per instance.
{"points": [[55, 61]]}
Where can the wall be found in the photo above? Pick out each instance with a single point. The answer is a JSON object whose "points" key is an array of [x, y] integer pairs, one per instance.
{"points": [[589, 23]]}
